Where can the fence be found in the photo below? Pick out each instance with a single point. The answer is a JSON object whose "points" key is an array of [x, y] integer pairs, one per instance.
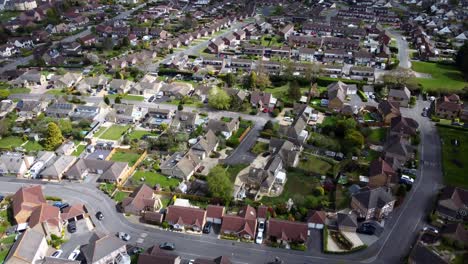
{"points": [[133, 168]]}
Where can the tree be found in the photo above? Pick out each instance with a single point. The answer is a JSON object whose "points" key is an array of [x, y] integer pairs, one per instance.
{"points": [[65, 126], [180, 107], [354, 139], [294, 91], [53, 137], [118, 99], [289, 70], [107, 44], [251, 81], [219, 184], [164, 126], [106, 100], [125, 41], [398, 78], [218, 98], [461, 60], [230, 79], [4, 93]]}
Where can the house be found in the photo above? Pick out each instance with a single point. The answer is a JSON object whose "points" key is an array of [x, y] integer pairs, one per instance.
{"points": [[30, 108], [215, 213], [287, 31], [6, 106], [337, 93], [157, 116], [177, 90], [85, 112], [346, 222], [389, 110], [25, 200], [226, 129], [30, 247], [120, 86], [242, 225], [185, 218], [46, 218], [216, 45], [184, 121], [58, 168], [453, 204], [155, 255], [7, 50], [316, 219], [141, 200], [373, 203], [13, 163], [397, 151], [67, 148], [124, 114], [74, 212], [108, 171], [67, 80], [381, 174], [262, 213], [448, 107], [403, 126], [296, 132], [288, 151], [422, 253], [59, 110], [30, 78], [180, 165], [103, 248], [263, 101], [286, 232], [400, 96], [455, 232]]}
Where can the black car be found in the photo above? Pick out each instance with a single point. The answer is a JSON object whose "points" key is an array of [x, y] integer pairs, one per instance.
{"points": [[366, 229], [71, 227], [99, 215], [207, 228], [134, 251], [167, 246], [63, 206]]}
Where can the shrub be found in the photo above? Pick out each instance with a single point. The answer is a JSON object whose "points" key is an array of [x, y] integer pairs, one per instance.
{"points": [[362, 95], [232, 142], [53, 198]]}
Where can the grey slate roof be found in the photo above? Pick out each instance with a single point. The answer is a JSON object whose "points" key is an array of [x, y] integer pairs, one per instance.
{"points": [[100, 246], [59, 166], [375, 198]]}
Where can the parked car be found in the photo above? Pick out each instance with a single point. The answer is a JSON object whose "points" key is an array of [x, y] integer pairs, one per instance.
{"points": [[99, 215], [1, 198], [74, 254], [124, 236], [71, 227], [134, 250], [406, 179], [366, 229], [61, 205], [167, 246], [259, 238], [207, 228], [261, 226], [57, 253], [430, 229]]}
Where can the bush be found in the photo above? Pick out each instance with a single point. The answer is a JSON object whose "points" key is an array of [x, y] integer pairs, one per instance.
{"points": [[232, 142], [362, 95], [53, 198], [435, 119], [275, 112], [165, 225]]}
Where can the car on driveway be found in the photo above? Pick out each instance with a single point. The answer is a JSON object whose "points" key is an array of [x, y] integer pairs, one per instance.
{"points": [[71, 227], [406, 179], [57, 253], [259, 238], [124, 236], [167, 246], [74, 254], [207, 228], [430, 229], [261, 226], [99, 215]]}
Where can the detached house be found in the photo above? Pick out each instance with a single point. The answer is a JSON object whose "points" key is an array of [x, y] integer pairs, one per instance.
{"points": [[186, 218], [57, 169], [141, 200], [373, 203], [453, 204], [242, 225], [205, 145], [16, 164], [103, 248], [180, 165], [46, 218], [30, 247], [263, 101], [381, 174], [224, 128], [337, 93], [400, 96], [403, 126], [25, 201], [389, 110], [448, 107]]}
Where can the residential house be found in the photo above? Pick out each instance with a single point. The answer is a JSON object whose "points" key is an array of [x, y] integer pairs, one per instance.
{"points": [[13, 163], [103, 248], [7, 50], [157, 116], [263, 101], [316, 219], [141, 200], [177, 90], [453, 204], [59, 110], [286, 232], [381, 174], [288, 151], [30, 78], [156, 255], [216, 45], [242, 225], [108, 171], [46, 219], [403, 126], [397, 151], [6, 106], [456, 232], [448, 107], [400, 96], [67, 80], [67, 148], [215, 213], [389, 110], [205, 145], [373, 203], [183, 218], [368, 90], [85, 112], [224, 128], [120, 86], [184, 121], [296, 132], [346, 222], [180, 165], [25, 200], [124, 114], [30, 247], [57, 169], [287, 31], [337, 93], [30, 108]]}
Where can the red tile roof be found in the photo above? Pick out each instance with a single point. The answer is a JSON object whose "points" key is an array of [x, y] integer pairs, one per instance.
{"points": [[317, 217], [45, 213], [73, 211], [262, 211], [186, 216], [287, 230], [27, 198], [215, 211]]}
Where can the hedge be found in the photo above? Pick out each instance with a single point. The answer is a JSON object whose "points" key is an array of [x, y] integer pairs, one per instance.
{"points": [[452, 126], [358, 248], [53, 198], [362, 95]]}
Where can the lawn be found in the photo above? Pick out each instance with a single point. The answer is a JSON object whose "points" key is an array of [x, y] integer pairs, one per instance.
{"points": [[454, 158], [153, 178], [6, 220], [10, 142], [56, 92], [5, 16], [281, 92], [115, 132], [259, 148], [100, 131], [129, 97], [444, 77], [79, 150], [33, 146], [19, 90], [129, 157], [7, 243], [313, 164], [233, 170], [119, 196], [138, 134], [377, 135]]}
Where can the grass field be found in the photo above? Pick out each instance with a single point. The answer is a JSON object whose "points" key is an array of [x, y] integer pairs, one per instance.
{"points": [[153, 178], [19, 90], [454, 158], [311, 163], [79, 150], [377, 135], [281, 92], [128, 157], [115, 132], [10, 142], [138, 134], [233, 170], [129, 97], [444, 77], [33, 146], [7, 243], [259, 148], [119, 196]]}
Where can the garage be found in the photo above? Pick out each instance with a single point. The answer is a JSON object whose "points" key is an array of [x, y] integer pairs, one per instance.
{"points": [[316, 219], [214, 214]]}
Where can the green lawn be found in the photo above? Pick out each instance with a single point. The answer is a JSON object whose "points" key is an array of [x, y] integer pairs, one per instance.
{"points": [[130, 97], [259, 148], [33, 146], [444, 77], [7, 243], [313, 164], [79, 150], [138, 134], [233, 170], [454, 158], [6, 220], [100, 131], [115, 132], [281, 92], [119, 196], [10, 142], [153, 178], [377, 135], [56, 92], [128, 157], [19, 90], [5, 16]]}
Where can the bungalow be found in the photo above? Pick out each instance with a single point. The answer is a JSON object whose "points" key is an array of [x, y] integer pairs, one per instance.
{"points": [[389, 110], [184, 121], [205, 145], [286, 232], [185, 218], [453, 204], [177, 90], [347, 222], [141, 200], [157, 116], [222, 127], [108, 171], [120, 86], [13, 163], [25, 200], [381, 174], [242, 225], [58, 168], [180, 165], [124, 114], [215, 214], [59, 110], [85, 112], [373, 203], [67, 148], [400, 96], [30, 78]]}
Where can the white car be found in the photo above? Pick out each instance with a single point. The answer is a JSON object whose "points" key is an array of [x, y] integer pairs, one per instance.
{"points": [[57, 253], [124, 236], [431, 229], [259, 238], [287, 119], [407, 178], [74, 254], [432, 98], [261, 226]]}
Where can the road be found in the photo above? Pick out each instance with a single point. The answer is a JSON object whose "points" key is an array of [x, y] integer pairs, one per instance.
{"points": [[403, 50], [394, 244], [26, 60]]}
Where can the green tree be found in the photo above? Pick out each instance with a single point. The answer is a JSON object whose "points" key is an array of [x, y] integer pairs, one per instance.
{"points": [[251, 81], [106, 100], [289, 70], [118, 99], [53, 137], [65, 126], [354, 139], [219, 184], [4, 94], [218, 98], [180, 107], [461, 60], [230, 79], [263, 81], [294, 91], [125, 42]]}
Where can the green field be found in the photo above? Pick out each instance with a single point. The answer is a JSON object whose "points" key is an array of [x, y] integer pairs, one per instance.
{"points": [[129, 157], [10, 142], [311, 163], [377, 135], [138, 134], [153, 178], [19, 90], [129, 97], [114, 132], [446, 78], [79, 150], [454, 158], [33, 146]]}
